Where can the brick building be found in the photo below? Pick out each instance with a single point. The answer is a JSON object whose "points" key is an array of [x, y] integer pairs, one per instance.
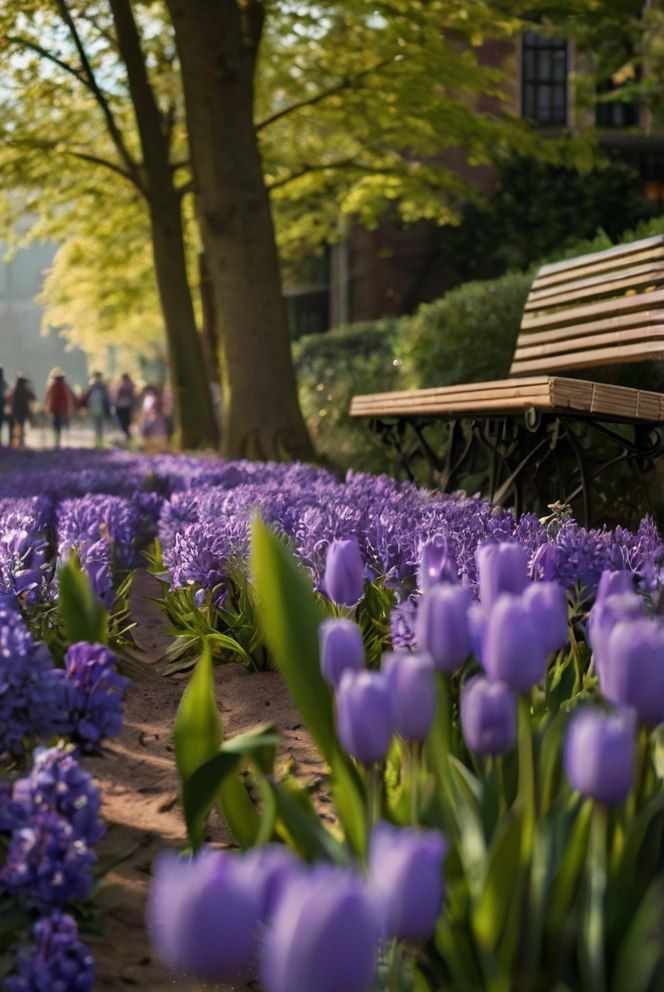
{"points": [[390, 270]]}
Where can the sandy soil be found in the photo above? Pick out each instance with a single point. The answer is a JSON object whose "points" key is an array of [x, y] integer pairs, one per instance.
{"points": [[140, 788]]}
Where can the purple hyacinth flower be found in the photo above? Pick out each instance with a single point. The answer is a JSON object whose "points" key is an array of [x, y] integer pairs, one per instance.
{"points": [[488, 716], [503, 568], [365, 720], [413, 690], [344, 572], [203, 919], [437, 563], [632, 670], [324, 936], [341, 648], [95, 693], [441, 626], [614, 583], [55, 959], [513, 650], [406, 879], [599, 755], [548, 604]]}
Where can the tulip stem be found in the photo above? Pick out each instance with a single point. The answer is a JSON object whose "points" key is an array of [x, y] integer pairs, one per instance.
{"points": [[526, 792], [594, 918], [373, 796], [414, 768]]}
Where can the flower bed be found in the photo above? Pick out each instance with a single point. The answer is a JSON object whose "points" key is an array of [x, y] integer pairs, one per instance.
{"points": [[488, 835]]}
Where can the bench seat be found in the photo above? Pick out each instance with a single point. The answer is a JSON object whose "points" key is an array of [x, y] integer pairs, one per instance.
{"points": [[502, 397]]}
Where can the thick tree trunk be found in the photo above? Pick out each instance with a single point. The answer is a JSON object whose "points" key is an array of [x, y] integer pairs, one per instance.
{"points": [[217, 44], [192, 403]]}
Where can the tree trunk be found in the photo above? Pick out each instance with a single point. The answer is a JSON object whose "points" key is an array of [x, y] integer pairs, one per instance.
{"points": [[217, 44], [192, 403]]}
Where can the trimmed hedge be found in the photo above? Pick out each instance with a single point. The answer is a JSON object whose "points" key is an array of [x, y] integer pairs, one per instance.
{"points": [[466, 336]]}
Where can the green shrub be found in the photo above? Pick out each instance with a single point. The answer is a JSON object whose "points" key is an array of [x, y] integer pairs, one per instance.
{"points": [[466, 336], [331, 368]]}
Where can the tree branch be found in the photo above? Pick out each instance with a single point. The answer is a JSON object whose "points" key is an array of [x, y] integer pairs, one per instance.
{"points": [[346, 83], [42, 145], [45, 54], [342, 163], [116, 135]]}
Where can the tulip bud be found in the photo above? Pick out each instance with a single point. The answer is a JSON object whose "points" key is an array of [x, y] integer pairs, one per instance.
{"points": [[441, 625], [603, 617], [365, 720], [632, 670], [406, 879], [344, 572], [502, 568], [324, 935], [548, 604], [477, 618], [413, 692], [614, 584], [202, 919], [513, 648], [437, 563], [341, 648], [599, 755], [266, 872], [488, 716]]}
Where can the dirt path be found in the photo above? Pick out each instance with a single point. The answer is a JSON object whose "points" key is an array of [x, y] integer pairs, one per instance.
{"points": [[140, 788]]}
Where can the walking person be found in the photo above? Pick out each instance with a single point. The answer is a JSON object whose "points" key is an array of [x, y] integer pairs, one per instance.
{"points": [[124, 403], [98, 403], [59, 403], [20, 402]]}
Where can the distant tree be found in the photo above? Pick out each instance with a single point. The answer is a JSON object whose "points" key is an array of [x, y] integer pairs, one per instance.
{"points": [[80, 94]]}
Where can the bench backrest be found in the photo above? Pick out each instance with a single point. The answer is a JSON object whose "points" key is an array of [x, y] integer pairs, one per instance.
{"points": [[601, 309]]}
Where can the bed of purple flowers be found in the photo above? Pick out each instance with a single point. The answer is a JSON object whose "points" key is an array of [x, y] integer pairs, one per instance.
{"points": [[438, 651]]}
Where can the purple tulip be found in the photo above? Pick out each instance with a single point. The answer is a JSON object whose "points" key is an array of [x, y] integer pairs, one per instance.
{"points": [[614, 583], [603, 617], [324, 936], [502, 568], [266, 872], [437, 563], [548, 604], [477, 617], [514, 651], [203, 920], [488, 716], [365, 720], [344, 572], [341, 648], [406, 879], [599, 755], [441, 625], [413, 691], [631, 672]]}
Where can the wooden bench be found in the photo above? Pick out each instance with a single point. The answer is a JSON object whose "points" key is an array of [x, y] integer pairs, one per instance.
{"points": [[596, 310]]}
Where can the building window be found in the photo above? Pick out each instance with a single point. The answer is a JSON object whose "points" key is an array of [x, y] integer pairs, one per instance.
{"points": [[615, 113], [544, 79]]}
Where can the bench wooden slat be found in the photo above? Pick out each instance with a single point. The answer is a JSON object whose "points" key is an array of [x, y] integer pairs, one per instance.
{"points": [[655, 254], [495, 385], [527, 350], [555, 393], [624, 322], [597, 256], [577, 315], [596, 286], [652, 350]]}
